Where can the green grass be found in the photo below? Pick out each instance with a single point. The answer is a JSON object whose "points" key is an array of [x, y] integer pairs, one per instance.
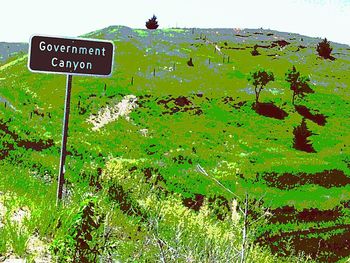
{"points": [[18, 239], [230, 140]]}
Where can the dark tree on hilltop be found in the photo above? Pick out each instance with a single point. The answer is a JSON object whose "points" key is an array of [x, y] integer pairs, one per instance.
{"points": [[152, 23], [324, 49], [260, 79], [298, 84]]}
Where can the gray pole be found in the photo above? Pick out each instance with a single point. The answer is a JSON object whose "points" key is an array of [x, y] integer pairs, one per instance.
{"points": [[60, 181]]}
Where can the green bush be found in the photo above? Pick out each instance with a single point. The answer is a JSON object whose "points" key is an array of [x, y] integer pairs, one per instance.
{"points": [[3, 241], [82, 242], [17, 238]]}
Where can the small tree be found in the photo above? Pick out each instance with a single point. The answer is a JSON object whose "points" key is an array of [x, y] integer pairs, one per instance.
{"points": [[301, 135], [152, 23], [260, 78], [324, 49], [298, 84]]}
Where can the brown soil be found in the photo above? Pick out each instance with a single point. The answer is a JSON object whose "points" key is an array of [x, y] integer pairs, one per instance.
{"points": [[179, 104], [234, 48], [281, 43], [194, 203], [287, 214], [332, 249], [238, 35], [326, 179], [227, 100], [33, 145]]}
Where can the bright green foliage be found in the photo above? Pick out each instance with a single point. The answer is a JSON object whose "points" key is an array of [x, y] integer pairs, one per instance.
{"points": [[18, 237], [3, 241], [83, 242]]}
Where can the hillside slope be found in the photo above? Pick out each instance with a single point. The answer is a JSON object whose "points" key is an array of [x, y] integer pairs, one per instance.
{"points": [[175, 117], [8, 50]]}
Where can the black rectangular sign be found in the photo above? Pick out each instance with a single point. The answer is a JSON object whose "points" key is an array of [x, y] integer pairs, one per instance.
{"points": [[74, 56]]}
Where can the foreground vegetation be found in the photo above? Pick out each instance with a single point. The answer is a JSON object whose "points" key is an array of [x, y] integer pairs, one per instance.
{"points": [[131, 218]]}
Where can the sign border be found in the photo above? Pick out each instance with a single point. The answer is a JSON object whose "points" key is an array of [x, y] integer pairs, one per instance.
{"points": [[70, 73]]}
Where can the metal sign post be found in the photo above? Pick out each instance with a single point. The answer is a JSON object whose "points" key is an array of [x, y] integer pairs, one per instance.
{"points": [[62, 170], [69, 56]]}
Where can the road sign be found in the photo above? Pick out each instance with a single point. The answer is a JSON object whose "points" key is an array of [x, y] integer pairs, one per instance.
{"points": [[74, 56], [70, 56]]}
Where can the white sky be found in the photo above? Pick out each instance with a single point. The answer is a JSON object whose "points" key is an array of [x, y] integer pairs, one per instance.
{"points": [[20, 19]]}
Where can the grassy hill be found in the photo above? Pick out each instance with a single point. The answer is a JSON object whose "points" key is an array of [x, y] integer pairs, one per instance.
{"points": [[9, 50], [164, 149]]}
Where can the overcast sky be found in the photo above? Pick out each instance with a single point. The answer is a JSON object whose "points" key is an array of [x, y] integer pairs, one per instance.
{"points": [[20, 19]]}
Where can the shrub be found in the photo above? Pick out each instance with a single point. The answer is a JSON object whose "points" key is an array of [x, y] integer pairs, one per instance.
{"points": [[84, 240]]}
